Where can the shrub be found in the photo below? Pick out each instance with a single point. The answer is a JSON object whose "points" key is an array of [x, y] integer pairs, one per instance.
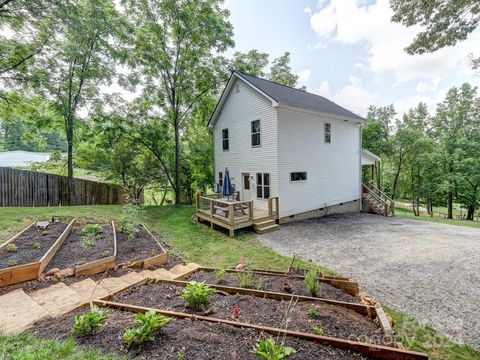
{"points": [[220, 274], [149, 325], [87, 324], [91, 230], [318, 331], [313, 313], [270, 350], [197, 295], [12, 248], [37, 245], [129, 220], [11, 263], [245, 279], [312, 282]]}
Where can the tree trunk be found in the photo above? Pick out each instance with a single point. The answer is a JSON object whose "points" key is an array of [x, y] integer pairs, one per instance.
{"points": [[450, 205], [471, 212], [69, 131], [164, 194], [397, 175], [178, 194]]}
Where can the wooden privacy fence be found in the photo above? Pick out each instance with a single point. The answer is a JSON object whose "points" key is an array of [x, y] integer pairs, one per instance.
{"points": [[30, 188]]}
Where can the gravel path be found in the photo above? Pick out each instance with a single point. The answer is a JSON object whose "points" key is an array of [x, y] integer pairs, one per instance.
{"points": [[427, 270]]}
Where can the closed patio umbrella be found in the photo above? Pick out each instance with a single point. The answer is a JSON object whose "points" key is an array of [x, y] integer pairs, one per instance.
{"points": [[227, 184]]}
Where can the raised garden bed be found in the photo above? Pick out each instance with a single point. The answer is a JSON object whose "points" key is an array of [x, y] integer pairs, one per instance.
{"points": [[27, 254], [88, 250], [144, 251], [280, 283], [194, 339]]}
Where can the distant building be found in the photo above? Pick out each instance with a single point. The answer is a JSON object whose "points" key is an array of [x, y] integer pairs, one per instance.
{"points": [[20, 158]]}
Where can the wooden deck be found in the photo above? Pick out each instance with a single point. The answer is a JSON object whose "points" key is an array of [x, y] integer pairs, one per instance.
{"points": [[234, 214]]}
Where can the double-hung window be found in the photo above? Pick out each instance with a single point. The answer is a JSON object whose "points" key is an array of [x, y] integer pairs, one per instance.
{"points": [[263, 185], [225, 141], [220, 179], [256, 141]]}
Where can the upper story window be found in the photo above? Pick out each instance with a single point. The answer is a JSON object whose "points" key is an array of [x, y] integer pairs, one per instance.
{"points": [[225, 142], [298, 176], [256, 133], [328, 133], [220, 179]]}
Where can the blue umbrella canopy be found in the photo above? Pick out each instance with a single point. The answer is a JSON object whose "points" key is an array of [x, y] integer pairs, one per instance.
{"points": [[227, 184]]}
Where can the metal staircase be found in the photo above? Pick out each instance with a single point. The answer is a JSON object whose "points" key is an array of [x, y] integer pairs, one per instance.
{"points": [[377, 201]]}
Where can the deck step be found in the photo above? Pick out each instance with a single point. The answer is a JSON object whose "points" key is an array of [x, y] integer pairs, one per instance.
{"points": [[86, 287], [263, 223], [267, 229], [181, 270]]}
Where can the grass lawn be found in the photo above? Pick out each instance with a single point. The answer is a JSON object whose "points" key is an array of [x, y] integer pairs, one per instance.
{"points": [[197, 243], [409, 214]]}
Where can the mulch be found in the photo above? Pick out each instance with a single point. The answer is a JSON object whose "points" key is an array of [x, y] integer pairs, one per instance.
{"points": [[275, 283], [195, 339], [72, 252], [26, 252], [140, 248], [336, 321]]}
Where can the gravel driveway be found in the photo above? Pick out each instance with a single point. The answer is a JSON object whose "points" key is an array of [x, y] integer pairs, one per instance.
{"points": [[428, 270]]}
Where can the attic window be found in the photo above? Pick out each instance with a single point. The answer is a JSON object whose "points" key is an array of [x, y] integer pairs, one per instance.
{"points": [[328, 133], [225, 141]]}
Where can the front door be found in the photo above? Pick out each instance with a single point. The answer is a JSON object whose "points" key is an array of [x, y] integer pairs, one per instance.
{"points": [[246, 195]]}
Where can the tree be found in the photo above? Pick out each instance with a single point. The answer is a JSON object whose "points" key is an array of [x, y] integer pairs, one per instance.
{"points": [[77, 61], [174, 51], [281, 72], [455, 127], [443, 23], [251, 63]]}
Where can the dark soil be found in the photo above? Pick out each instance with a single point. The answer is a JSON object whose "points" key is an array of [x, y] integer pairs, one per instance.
{"points": [[26, 250], [74, 253], [335, 321], [275, 283], [195, 339], [141, 248]]}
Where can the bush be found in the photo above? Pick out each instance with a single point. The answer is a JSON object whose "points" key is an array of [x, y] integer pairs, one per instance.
{"points": [[149, 325], [245, 279], [12, 248], [91, 230], [129, 220], [312, 282], [270, 350], [87, 324], [197, 295]]}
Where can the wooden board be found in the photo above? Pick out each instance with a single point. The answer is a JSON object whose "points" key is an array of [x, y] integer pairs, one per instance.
{"points": [[54, 248], [350, 287], [157, 259], [14, 237], [18, 312], [362, 309], [57, 299], [100, 265], [20, 273], [371, 350], [88, 290]]}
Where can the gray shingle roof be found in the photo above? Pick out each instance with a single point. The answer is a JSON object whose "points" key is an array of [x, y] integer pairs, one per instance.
{"points": [[297, 98]]}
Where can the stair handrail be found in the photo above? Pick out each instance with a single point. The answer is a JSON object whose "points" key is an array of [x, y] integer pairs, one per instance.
{"points": [[388, 203]]}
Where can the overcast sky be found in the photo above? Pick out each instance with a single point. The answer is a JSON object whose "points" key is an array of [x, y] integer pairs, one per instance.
{"points": [[350, 52]]}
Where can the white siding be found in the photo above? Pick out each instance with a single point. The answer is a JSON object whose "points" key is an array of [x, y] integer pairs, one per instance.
{"points": [[239, 110], [333, 170]]}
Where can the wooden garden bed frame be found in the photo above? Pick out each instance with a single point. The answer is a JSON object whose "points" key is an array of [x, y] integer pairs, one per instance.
{"points": [[31, 271], [157, 259], [350, 287], [101, 265], [371, 350]]}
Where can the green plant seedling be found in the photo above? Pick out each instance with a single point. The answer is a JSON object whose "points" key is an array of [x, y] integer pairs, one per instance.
{"points": [[11, 263], [91, 230], [105, 253], [245, 279], [314, 313], [220, 274], [37, 245], [87, 324], [312, 282], [197, 295], [270, 350], [12, 248], [318, 331], [148, 326], [88, 242]]}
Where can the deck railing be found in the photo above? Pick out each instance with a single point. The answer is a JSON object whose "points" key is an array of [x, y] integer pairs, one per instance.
{"points": [[273, 207], [230, 212]]}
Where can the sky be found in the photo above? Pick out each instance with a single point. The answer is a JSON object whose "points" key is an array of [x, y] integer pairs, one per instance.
{"points": [[350, 52]]}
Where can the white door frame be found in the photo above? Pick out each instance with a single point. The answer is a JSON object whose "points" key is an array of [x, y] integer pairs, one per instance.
{"points": [[246, 193]]}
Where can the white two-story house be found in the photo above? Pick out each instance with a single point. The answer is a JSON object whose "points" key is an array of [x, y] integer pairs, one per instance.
{"points": [[282, 142]]}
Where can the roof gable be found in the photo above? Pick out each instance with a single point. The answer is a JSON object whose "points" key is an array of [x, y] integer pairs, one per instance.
{"points": [[284, 95]]}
